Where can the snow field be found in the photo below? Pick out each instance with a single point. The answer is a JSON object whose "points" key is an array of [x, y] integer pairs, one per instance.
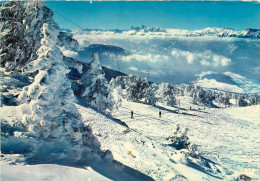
{"points": [[48, 172], [227, 136], [139, 150]]}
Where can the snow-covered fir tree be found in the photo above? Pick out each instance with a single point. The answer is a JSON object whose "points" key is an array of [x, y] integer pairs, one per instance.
{"points": [[149, 94], [97, 89], [131, 87], [195, 98], [46, 98], [135, 87], [119, 82], [117, 94], [165, 94], [242, 101], [50, 97]]}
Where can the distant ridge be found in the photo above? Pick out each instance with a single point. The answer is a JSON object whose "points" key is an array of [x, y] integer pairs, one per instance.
{"points": [[215, 32]]}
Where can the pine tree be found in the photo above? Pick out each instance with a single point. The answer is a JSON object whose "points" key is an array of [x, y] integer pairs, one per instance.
{"points": [[131, 87], [117, 94], [149, 94], [120, 81], [135, 87], [165, 94], [50, 97], [97, 89]]}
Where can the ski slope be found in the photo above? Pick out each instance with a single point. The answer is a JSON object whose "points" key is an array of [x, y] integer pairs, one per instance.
{"points": [[229, 137], [223, 135], [141, 152]]}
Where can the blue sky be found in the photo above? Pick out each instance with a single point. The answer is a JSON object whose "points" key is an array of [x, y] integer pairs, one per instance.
{"points": [[179, 15]]}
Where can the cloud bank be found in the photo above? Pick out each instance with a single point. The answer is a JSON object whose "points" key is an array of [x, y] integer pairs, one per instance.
{"points": [[145, 58], [206, 58]]}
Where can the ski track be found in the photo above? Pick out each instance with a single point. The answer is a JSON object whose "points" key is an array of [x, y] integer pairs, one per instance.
{"points": [[233, 143], [143, 152]]}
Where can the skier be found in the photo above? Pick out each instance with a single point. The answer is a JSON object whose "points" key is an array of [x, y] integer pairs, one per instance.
{"points": [[160, 114], [132, 114], [190, 107], [93, 55]]}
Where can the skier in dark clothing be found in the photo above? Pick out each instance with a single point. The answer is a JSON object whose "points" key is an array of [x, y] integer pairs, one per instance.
{"points": [[160, 114], [93, 54], [132, 114]]}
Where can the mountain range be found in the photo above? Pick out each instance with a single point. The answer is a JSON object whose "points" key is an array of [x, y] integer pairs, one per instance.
{"points": [[177, 56], [218, 32]]}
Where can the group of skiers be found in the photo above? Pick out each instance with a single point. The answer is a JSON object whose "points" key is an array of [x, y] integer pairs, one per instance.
{"points": [[160, 113]]}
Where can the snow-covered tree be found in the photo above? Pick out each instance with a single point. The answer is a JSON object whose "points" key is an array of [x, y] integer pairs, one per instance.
{"points": [[149, 94], [131, 87], [195, 99], [119, 81], [97, 89], [117, 94], [135, 87], [12, 49], [50, 98], [165, 94], [180, 141], [242, 102]]}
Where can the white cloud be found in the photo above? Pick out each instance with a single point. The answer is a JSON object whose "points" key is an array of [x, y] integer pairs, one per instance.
{"points": [[188, 55], [205, 62], [220, 60], [206, 58], [226, 61], [68, 53], [190, 58], [133, 68], [145, 58]]}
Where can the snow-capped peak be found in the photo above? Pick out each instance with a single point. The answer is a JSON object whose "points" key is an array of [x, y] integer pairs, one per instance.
{"points": [[147, 29], [210, 31]]}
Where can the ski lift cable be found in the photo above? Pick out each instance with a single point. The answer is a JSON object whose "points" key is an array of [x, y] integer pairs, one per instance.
{"points": [[78, 26], [106, 42]]}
